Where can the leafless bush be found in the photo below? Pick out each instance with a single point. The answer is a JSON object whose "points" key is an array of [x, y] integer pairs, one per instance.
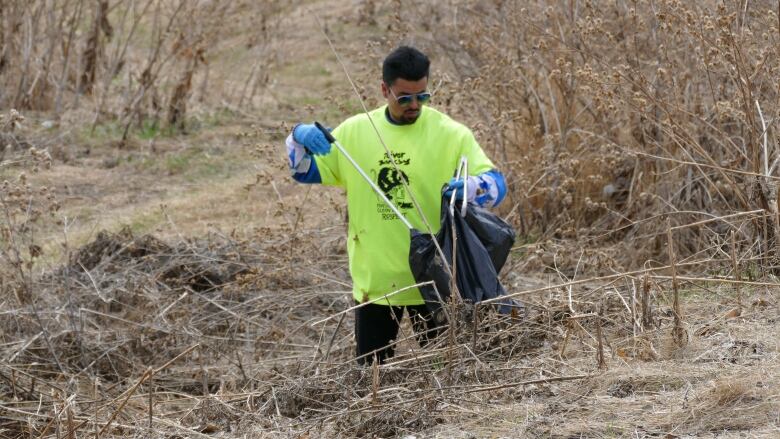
{"points": [[609, 116], [23, 207], [127, 60]]}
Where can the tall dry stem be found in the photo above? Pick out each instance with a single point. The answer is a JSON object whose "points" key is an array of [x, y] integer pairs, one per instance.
{"points": [[678, 332]]}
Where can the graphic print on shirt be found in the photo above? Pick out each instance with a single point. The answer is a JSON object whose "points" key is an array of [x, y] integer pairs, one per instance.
{"points": [[389, 180]]}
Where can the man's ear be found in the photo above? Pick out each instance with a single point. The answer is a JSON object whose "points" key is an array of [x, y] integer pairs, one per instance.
{"points": [[385, 92]]}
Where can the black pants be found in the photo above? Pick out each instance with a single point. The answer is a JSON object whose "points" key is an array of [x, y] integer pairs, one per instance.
{"points": [[376, 327]]}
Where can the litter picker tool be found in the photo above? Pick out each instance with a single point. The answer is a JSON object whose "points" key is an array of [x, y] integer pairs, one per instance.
{"points": [[365, 176], [462, 173]]}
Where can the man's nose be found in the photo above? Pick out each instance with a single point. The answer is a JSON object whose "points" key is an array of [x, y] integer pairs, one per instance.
{"points": [[415, 104]]}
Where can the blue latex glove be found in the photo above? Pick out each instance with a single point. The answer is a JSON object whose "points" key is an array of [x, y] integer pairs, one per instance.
{"points": [[456, 185], [487, 189], [311, 138]]}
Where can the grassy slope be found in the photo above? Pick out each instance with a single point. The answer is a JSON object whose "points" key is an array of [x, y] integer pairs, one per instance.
{"points": [[186, 184]]}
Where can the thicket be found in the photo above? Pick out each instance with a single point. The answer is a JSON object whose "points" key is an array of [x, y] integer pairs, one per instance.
{"points": [[611, 118], [133, 63]]}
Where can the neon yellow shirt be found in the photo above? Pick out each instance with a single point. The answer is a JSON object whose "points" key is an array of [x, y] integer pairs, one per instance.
{"points": [[427, 152]]}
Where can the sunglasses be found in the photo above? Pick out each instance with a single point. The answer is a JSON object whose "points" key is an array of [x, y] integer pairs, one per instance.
{"points": [[404, 100]]}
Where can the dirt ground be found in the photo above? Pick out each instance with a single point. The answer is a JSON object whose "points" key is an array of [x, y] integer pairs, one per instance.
{"points": [[175, 302]]}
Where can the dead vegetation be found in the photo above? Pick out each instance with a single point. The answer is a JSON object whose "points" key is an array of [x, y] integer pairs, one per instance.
{"points": [[133, 63], [611, 117], [227, 337], [642, 177]]}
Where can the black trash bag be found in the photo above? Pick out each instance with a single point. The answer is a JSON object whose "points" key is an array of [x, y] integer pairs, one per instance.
{"points": [[483, 245]]}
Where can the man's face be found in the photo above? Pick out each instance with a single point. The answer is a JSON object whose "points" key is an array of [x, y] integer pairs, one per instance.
{"points": [[404, 114]]}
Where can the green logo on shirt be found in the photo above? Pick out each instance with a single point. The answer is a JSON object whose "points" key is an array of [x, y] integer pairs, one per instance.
{"points": [[389, 180]]}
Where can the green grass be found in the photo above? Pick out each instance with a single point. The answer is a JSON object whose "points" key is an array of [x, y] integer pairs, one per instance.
{"points": [[522, 243], [305, 70], [173, 163], [353, 106], [113, 130], [145, 222], [102, 132], [194, 164], [313, 100], [216, 118], [151, 129], [178, 163], [612, 431]]}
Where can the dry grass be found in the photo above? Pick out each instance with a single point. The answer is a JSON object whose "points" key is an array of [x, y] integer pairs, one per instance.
{"points": [[231, 330]]}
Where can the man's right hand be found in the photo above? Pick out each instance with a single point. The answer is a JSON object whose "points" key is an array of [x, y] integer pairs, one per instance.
{"points": [[311, 138]]}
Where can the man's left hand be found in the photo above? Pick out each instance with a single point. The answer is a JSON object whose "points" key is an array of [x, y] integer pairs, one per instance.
{"points": [[456, 186]]}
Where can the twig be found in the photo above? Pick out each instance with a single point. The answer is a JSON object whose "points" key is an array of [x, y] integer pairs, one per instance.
{"points": [[720, 218], [719, 280], [678, 332], [128, 393], [94, 284], [735, 267], [526, 383], [368, 302], [590, 280], [148, 374], [765, 149], [24, 347], [333, 337], [704, 165], [600, 361], [151, 401], [647, 317]]}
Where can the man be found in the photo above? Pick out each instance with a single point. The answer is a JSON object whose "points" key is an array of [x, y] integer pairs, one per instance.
{"points": [[426, 146]]}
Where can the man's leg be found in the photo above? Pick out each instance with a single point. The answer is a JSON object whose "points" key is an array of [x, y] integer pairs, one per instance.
{"points": [[375, 327], [423, 323]]}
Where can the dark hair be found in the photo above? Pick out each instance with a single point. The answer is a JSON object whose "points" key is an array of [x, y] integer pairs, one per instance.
{"points": [[406, 63]]}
